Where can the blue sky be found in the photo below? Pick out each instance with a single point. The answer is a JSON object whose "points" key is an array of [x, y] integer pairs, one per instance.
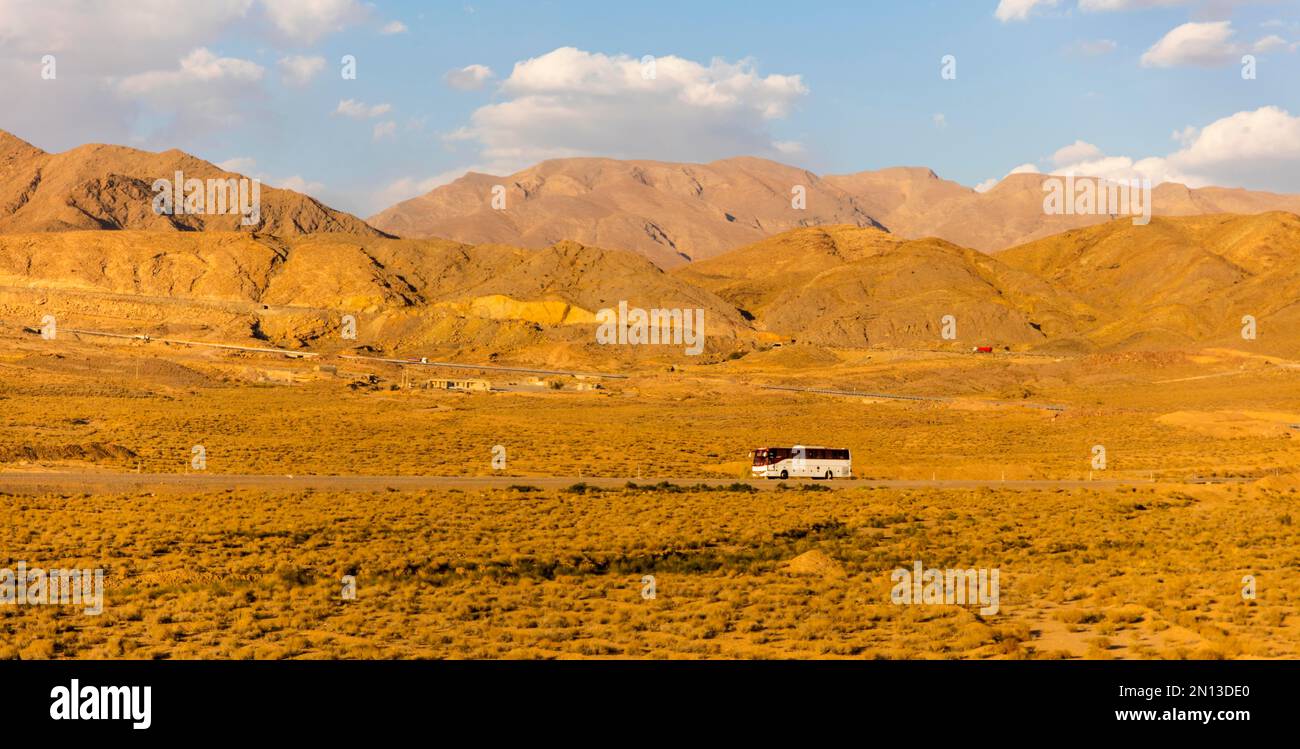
{"points": [[832, 86]]}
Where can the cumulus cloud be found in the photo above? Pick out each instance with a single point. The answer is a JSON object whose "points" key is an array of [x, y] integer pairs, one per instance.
{"points": [[1257, 149], [111, 58], [1260, 147], [124, 36], [570, 102], [393, 27], [1207, 44], [1075, 152], [385, 130], [238, 164], [205, 91], [1269, 43], [298, 70], [1019, 10], [247, 166], [405, 188], [295, 183], [1107, 5], [307, 21], [114, 38], [359, 111], [468, 78], [989, 184]]}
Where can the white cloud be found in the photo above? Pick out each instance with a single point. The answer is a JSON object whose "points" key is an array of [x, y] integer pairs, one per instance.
{"points": [[116, 38], [1269, 43], [246, 165], [204, 92], [238, 164], [298, 70], [1019, 10], [406, 188], [989, 184], [1108, 5], [357, 110], [1075, 152], [1258, 149], [940, 120], [1264, 141], [468, 78], [306, 21], [113, 61], [385, 130], [1207, 44], [1186, 136], [295, 183], [570, 102], [201, 66], [393, 27]]}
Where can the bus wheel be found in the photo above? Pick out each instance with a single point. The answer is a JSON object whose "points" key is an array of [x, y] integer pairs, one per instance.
{"points": [[828, 476], [785, 475]]}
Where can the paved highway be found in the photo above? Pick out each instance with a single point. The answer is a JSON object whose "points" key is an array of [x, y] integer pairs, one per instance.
{"points": [[29, 482]]}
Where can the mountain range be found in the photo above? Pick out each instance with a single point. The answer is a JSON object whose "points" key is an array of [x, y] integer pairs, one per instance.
{"points": [[875, 259], [680, 213], [1178, 281]]}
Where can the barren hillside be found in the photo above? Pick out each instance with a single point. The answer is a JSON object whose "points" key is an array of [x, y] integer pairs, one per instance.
{"points": [[110, 187], [844, 286], [679, 213]]}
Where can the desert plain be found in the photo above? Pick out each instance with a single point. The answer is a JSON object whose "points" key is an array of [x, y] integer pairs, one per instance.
{"points": [[250, 431], [1144, 559]]}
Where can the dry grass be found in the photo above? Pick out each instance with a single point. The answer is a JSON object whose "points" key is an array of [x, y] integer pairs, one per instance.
{"points": [[498, 574], [1148, 572]]}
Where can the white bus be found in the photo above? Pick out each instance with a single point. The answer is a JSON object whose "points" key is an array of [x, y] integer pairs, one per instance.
{"points": [[802, 462]]}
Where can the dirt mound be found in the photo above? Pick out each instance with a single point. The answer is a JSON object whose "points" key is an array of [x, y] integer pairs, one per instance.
{"points": [[814, 562], [1285, 482]]}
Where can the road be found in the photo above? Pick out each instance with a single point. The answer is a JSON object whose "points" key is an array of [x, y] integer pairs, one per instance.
{"points": [[891, 396], [30, 482]]}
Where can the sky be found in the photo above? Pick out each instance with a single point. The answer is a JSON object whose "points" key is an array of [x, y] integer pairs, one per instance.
{"points": [[1194, 91]]}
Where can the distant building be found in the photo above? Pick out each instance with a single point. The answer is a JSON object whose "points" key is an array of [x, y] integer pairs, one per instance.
{"points": [[468, 386]]}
